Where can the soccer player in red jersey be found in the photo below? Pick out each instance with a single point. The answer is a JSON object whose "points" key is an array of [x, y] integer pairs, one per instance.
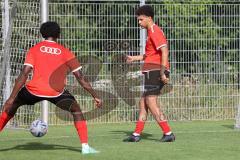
{"points": [[156, 75], [50, 62]]}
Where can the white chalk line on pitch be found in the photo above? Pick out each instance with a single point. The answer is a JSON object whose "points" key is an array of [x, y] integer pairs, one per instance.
{"points": [[107, 135]]}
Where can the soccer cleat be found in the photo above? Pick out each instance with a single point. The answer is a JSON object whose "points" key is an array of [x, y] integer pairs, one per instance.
{"points": [[132, 138], [89, 150], [168, 138]]}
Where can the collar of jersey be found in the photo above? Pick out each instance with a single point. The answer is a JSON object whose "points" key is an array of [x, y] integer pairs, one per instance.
{"points": [[49, 41], [151, 28]]}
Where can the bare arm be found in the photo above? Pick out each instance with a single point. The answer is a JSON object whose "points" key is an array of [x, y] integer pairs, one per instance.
{"points": [[165, 54], [164, 62], [20, 81], [86, 85], [135, 58]]}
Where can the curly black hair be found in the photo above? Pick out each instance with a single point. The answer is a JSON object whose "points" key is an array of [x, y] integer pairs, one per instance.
{"points": [[50, 29], [145, 10]]}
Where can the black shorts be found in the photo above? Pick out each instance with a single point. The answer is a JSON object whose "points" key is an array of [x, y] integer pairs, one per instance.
{"points": [[152, 82], [64, 101]]}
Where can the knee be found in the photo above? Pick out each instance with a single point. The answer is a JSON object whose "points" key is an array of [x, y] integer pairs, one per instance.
{"points": [[11, 110], [150, 100], [76, 113]]}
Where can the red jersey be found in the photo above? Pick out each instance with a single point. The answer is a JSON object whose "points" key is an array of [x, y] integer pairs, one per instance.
{"points": [[50, 62], [153, 54]]}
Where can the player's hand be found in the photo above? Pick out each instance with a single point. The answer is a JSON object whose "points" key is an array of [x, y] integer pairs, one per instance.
{"points": [[129, 59], [98, 102], [164, 79]]}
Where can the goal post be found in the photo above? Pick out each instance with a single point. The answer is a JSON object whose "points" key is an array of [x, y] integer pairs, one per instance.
{"points": [[44, 18], [7, 20], [237, 123], [20, 31]]}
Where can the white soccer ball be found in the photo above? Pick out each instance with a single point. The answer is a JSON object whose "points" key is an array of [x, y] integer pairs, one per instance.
{"points": [[38, 128]]}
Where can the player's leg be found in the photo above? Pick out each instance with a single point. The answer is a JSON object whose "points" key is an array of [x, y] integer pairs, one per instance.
{"points": [[159, 116], [153, 86], [135, 137], [8, 113], [143, 113], [81, 127], [68, 103], [9, 110]]}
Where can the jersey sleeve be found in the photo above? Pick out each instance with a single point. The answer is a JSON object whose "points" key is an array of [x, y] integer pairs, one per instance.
{"points": [[158, 38], [29, 60], [71, 61]]}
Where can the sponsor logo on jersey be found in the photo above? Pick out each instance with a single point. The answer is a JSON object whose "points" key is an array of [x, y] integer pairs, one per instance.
{"points": [[50, 50]]}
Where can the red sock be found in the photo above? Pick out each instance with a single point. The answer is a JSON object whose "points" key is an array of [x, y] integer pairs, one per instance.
{"points": [[139, 127], [81, 127], [4, 118], [165, 127]]}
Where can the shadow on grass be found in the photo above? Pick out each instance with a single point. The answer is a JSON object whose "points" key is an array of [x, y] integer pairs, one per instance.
{"points": [[41, 146], [228, 126], [145, 136]]}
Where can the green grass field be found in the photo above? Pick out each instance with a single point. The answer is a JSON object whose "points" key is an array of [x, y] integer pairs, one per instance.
{"points": [[196, 140]]}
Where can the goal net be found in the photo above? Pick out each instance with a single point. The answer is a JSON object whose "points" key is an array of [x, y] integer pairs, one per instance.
{"points": [[204, 56], [19, 31]]}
